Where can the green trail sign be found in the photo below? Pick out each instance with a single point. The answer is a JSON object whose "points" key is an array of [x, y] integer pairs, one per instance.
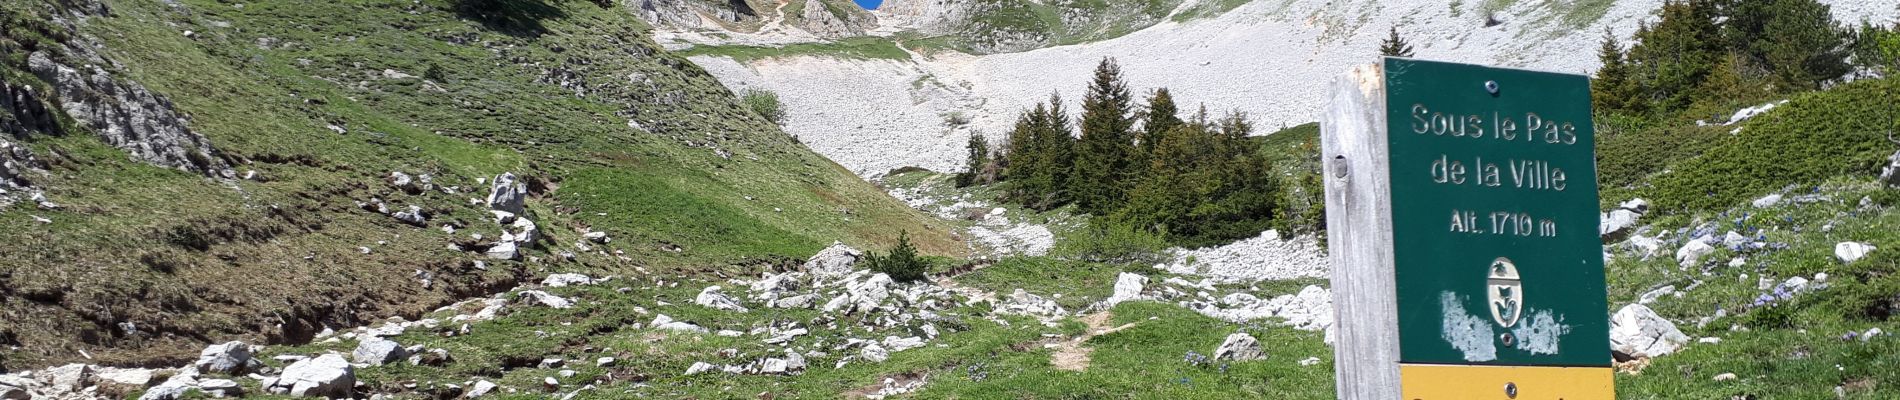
{"points": [[1494, 216], [1462, 209]]}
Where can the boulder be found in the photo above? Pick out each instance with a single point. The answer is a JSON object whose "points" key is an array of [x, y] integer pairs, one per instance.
{"points": [[663, 322], [870, 293], [564, 280], [139, 378], [1616, 224], [1691, 253], [326, 376], [14, 393], [833, 262], [712, 297], [1847, 252], [1767, 201], [896, 344], [1637, 331], [232, 358], [378, 351], [1240, 346], [505, 194], [481, 388], [1127, 287], [596, 237], [504, 250]]}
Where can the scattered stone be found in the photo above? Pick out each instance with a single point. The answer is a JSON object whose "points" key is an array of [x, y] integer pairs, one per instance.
{"points": [[1638, 331], [712, 297], [799, 301], [1891, 173], [833, 262], [664, 322], [699, 367], [1309, 361], [603, 361], [378, 351], [505, 194], [564, 280], [1726, 376], [1652, 295], [1767, 201], [596, 237], [544, 298], [1127, 287], [1240, 346], [232, 358], [221, 387], [1848, 252], [481, 388], [874, 353], [1691, 253], [328, 375]]}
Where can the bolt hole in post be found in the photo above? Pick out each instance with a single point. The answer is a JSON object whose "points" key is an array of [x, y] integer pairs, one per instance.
{"points": [[1492, 87], [1339, 166]]}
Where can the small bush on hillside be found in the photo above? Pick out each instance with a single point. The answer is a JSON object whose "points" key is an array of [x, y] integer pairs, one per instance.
{"points": [[1112, 242], [765, 103], [902, 263]]}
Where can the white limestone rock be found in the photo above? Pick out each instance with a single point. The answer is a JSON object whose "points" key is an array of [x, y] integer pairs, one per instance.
{"points": [[1638, 331], [1240, 346], [1848, 252]]}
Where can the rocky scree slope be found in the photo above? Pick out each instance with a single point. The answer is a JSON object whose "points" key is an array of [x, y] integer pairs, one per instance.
{"points": [[1269, 59], [187, 172]]}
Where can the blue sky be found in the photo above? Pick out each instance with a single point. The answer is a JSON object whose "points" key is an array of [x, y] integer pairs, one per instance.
{"points": [[869, 4]]}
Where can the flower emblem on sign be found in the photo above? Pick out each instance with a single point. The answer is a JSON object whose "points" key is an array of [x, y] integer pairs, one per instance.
{"points": [[1506, 292]]}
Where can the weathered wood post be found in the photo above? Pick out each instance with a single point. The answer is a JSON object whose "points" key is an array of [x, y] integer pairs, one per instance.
{"points": [[1462, 221]]}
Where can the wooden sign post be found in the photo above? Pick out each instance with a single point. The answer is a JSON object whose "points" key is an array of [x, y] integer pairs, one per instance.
{"points": [[1462, 217]]}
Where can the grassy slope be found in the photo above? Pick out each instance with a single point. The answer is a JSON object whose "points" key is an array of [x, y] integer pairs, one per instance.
{"points": [[117, 251]]}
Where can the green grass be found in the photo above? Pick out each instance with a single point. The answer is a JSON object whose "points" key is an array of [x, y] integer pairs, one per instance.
{"points": [[1793, 348], [181, 256]]}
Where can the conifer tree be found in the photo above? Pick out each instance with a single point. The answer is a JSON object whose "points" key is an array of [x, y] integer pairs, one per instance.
{"points": [[1677, 53], [979, 159], [1614, 90], [1057, 142], [1802, 44], [1161, 117], [1022, 152], [1104, 150], [1395, 46]]}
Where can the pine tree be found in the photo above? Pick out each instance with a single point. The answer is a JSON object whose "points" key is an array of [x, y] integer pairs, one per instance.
{"points": [[1161, 117], [979, 159], [1613, 90], [902, 263], [1802, 45], [1104, 151], [1395, 46], [1057, 143], [1677, 53]]}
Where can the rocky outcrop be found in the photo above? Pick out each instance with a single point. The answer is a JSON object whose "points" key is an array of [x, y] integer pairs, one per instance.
{"points": [[129, 117], [1127, 287], [835, 20], [507, 194], [928, 16], [693, 13], [833, 262]]}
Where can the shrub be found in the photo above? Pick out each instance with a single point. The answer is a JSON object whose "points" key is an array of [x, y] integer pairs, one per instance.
{"points": [[1813, 137], [1109, 241], [764, 103], [902, 263]]}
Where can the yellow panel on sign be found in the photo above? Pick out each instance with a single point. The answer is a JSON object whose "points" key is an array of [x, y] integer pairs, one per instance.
{"points": [[1470, 382]]}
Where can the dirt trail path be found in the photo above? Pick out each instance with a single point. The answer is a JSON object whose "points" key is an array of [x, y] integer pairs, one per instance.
{"points": [[1072, 354]]}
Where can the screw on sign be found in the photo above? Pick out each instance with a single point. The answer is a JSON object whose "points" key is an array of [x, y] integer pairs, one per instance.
{"points": [[1508, 292]]}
